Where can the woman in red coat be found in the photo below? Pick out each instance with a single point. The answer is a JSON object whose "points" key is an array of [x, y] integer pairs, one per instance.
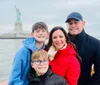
{"points": [[63, 57]]}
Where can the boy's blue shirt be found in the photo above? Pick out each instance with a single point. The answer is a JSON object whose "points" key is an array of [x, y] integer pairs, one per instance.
{"points": [[21, 63]]}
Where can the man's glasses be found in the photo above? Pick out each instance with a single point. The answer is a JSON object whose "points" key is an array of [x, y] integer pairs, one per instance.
{"points": [[40, 62]]}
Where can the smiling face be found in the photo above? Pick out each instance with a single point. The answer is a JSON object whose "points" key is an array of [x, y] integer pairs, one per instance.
{"points": [[75, 27], [39, 61], [40, 34], [58, 39], [41, 66]]}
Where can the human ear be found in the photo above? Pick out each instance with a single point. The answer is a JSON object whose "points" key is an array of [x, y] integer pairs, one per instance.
{"points": [[31, 34], [32, 65], [83, 23]]}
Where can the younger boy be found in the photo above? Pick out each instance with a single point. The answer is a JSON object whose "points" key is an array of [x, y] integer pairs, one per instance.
{"points": [[21, 62], [40, 73]]}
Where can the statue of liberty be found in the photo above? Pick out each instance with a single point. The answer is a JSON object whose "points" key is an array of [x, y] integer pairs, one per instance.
{"points": [[18, 14], [18, 23]]}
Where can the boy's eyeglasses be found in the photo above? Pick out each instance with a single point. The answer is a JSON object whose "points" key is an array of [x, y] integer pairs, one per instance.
{"points": [[40, 62]]}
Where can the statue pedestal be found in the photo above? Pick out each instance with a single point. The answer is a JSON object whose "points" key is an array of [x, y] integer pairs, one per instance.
{"points": [[18, 27], [17, 33]]}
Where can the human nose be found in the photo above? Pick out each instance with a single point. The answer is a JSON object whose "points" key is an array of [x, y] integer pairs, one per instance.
{"points": [[41, 32], [57, 39], [41, 62]]}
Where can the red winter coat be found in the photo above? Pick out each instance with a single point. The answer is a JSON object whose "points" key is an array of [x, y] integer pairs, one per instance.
{"points": [[66, 64]]}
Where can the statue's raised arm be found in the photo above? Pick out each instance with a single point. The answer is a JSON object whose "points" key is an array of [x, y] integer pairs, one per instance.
{"points": [[18, 14]]}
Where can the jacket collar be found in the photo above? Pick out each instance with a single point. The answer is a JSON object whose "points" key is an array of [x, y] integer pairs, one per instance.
{"points": [[32, 76], [78, 40], [79, 37]]}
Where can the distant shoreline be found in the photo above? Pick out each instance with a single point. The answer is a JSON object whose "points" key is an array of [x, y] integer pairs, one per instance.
{"points": [[25, 37], [14, 38]]}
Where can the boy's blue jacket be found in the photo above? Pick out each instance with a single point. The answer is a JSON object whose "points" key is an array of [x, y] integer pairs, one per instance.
{"points": [[21, 64]]}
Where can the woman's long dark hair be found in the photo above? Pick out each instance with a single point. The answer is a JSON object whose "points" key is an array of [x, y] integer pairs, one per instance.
{"points": [[67, 40]]}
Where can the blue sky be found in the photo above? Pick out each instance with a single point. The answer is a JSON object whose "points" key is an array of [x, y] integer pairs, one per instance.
{"points": [[53, 12]]}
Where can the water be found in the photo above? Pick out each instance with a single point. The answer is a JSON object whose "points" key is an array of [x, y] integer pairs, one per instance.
{"points": [[8, 48]]}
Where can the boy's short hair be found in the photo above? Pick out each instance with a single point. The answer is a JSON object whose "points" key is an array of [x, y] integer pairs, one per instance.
{"points": [[40, 25], [39, 54]]}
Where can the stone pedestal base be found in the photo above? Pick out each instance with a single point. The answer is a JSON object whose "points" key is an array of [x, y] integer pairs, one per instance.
{"points": [[18, 27], [17, 33]]}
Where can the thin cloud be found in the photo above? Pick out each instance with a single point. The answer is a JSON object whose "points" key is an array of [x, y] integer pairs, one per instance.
{"points": [[74, 3]]}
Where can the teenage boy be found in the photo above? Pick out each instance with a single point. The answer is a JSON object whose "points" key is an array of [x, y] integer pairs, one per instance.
{"points": [[40, 73], [21, 64]]}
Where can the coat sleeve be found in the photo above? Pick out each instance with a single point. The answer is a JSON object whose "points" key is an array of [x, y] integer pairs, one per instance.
{"points": [[96, 76], [73, 71], [64, 82], [15, 76]]}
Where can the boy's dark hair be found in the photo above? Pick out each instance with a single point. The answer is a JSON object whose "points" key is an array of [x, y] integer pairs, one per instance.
{"points": [[40, 25]]}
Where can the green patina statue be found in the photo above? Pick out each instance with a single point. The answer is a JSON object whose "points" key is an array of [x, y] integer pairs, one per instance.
{"points": [[18, 14]]}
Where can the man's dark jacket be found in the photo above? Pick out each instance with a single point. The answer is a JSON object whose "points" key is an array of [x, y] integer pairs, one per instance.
{"points": [[47, 79], [89, 50]]}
